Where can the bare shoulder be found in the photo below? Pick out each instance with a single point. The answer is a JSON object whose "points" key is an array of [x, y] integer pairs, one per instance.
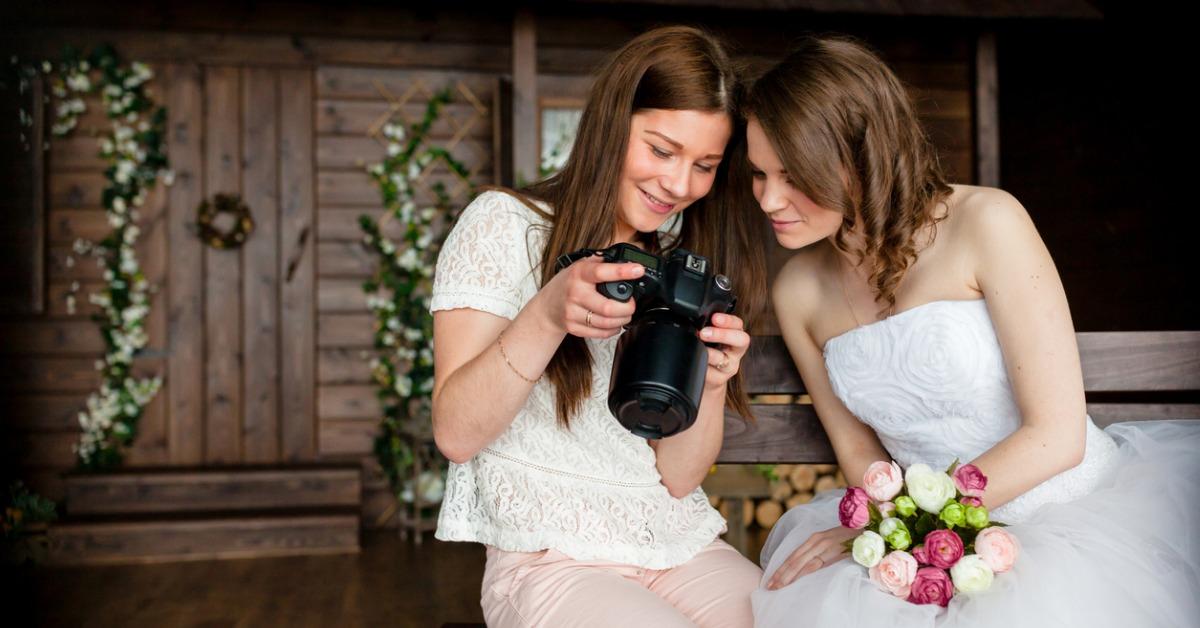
{"points": [[982, 215], [797, 288]]}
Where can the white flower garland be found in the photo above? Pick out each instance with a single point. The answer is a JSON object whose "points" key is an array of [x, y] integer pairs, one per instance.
{"points": [[136, 159]]}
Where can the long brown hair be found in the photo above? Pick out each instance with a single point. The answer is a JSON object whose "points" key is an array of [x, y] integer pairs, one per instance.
{"points": [[848, 135], [677, 68]]}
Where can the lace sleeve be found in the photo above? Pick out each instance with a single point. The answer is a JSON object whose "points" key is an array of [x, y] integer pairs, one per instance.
{"points": [[486, 261]]}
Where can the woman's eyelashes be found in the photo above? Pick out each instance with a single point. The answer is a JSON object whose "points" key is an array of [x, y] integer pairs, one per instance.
{"points": [[664, 155]]}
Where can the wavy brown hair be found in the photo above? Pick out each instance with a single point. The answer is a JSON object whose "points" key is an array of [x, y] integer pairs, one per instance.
{"points": [[677, 68], [848, 135]]}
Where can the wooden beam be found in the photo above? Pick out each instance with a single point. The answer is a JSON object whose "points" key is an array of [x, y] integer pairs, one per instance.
{"points": [[524, 97], [987, 112]]}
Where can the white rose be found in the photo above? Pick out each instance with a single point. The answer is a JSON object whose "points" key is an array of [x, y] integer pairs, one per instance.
{"points": [[868, 549], [929, 489], [888, 526], [970, 574]]}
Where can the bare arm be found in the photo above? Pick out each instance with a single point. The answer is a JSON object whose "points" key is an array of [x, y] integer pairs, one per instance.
{"points": [[476, 394], [1028, 307]]}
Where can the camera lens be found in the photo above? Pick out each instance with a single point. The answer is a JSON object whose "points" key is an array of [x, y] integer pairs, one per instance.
{"points": [[723, 283]]}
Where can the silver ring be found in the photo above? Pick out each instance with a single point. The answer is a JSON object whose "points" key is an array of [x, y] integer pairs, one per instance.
{"points": [[724, 363], [588, 320]]}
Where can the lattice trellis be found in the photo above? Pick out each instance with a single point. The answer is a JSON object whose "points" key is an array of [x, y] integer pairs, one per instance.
{"points": [[418, 92]]}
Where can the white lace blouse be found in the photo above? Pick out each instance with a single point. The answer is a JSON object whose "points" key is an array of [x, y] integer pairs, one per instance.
{"points": [[592, 491]]}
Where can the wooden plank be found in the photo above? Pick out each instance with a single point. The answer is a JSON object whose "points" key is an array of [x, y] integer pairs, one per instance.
{"points": [[1140, 361], [343, 366], [345, 439], [47, 450], [43, 412], [75, 190], [348, 402], [184, 388], [363, 83], [356, 118], [150, 446], [341, 223], [341, 295], [344, 259], [56, 299], [1105, 414], [786, 433], [200, 490], [50, 337], [260, 267], [77, 151], [219, 538], [60, 375], [345, 330], [355, 188], [222, 289], [357, 153], [67, 225], [297, 253], [942, 103], [524, 95], [987, 112]]}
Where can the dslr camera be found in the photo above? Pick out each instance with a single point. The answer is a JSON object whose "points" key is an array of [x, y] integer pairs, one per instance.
{"points": [[660, 363]]}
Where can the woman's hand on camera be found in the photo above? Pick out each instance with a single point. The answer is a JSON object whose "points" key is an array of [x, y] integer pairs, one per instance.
{"points": [[732, 343], [577, 308]]}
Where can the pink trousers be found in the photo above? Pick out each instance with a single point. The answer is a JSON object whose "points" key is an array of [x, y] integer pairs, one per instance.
{"points": [[548, 588]]}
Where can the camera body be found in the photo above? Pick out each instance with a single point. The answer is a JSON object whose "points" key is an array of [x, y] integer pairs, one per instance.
{"points": [[660, 364]]}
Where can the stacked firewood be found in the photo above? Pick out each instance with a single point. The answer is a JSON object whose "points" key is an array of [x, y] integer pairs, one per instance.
{"points": [[794, 484]]}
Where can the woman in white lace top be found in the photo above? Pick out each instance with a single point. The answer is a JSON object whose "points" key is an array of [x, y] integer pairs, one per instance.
{"points": [[585, 523], [929, 324]]}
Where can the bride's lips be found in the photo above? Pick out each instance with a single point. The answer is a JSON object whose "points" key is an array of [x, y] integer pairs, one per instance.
{"points": [[656, 205], [784, 225]]}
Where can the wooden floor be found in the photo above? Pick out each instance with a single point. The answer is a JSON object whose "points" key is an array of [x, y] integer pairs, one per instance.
{"points": [[391, 583]]}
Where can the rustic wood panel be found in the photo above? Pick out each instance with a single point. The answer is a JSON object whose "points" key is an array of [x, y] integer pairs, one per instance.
{"points": [[56, 299], [355, 188], [151, 446], [260, 267], [78, 151], [344, 82], [161, 541], [222, 272], [344, 259], [184, 388], [348, 402], [341, 223], [64, 226], [341, 439], [60, 375], [356, 153], [783, 433], [1105, 414], [342, 366], [51, 337], [45, 450], [354, 118], [341, 295], [63, 264], [1133, 361], [192, 490], [75, 190], [345, 330], [51, 412], [297, 253]]}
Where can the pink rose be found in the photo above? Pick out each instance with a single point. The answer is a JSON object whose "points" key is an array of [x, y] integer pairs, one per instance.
{"points": [[944, 548], [921, 555], [997, 548], [886, 509], [853, 511], [895, 573], [969, 480], [971, 501], [883, 480], [931, 586]]}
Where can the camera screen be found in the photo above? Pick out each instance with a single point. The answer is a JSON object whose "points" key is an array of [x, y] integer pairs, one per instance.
{"points": [[649, 261]]}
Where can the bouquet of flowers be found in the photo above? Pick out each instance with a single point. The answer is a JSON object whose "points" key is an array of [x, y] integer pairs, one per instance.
{"points": [[926, 534]]}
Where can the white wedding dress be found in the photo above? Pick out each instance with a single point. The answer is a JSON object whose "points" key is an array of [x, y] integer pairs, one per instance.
{"points": [[1114, 541]]}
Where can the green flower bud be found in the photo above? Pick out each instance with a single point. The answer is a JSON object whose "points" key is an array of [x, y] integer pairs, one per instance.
{"points": [[977, 517], [905, 506], [954, 514], [900, 539]]}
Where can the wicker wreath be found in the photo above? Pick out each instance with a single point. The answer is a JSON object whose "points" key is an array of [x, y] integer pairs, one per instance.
{"points": [[243, 224]]}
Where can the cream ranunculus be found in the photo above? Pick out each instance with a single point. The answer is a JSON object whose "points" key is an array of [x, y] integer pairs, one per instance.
{"points": [[929, 489], [971, 574], [868, 549]]}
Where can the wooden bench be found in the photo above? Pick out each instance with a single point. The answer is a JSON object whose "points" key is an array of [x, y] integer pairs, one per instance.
{"points": [[1127, 376]]}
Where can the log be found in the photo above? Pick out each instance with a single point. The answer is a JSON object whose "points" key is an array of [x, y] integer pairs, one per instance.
{"points": [[824, 483], [799, 498], [825, 469], [802, 477], [768, 512], [840, 478], [781, 490]]}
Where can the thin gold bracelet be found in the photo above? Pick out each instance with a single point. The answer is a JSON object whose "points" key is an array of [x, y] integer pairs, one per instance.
{"points": [[500, 343]]}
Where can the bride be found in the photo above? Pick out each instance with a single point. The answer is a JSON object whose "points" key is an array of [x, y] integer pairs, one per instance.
{"points": [[929, 324]]}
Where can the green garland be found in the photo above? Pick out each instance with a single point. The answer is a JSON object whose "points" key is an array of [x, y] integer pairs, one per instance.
{"points": [[133, 149], [399, 296]]}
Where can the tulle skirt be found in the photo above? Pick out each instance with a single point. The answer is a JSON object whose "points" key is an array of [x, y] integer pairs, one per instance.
{"points": [[1127, 554]]}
